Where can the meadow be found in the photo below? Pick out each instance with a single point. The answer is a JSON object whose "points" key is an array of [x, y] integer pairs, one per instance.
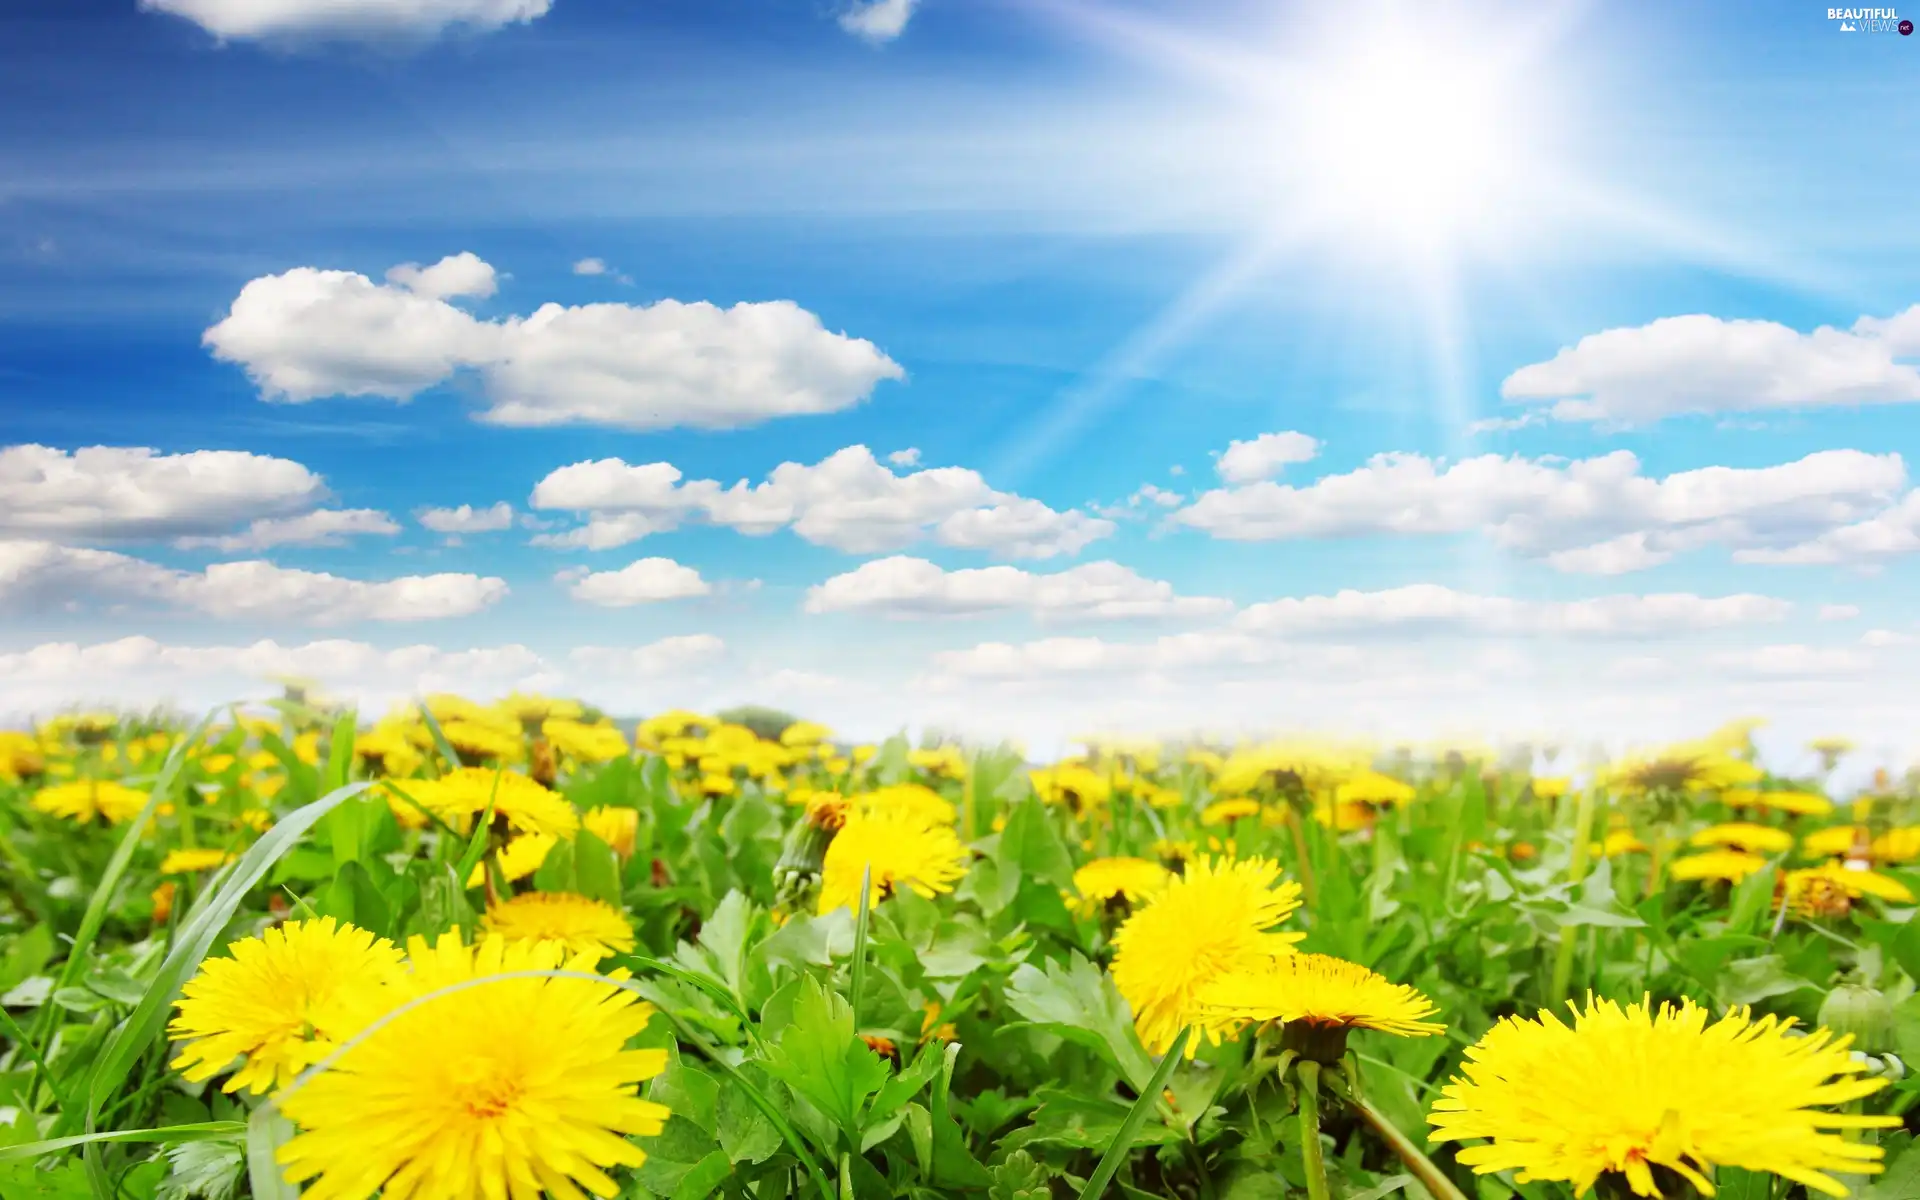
{"points": [[513, 949]]}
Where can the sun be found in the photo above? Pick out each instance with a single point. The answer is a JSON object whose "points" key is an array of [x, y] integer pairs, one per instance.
{"points": [[1413, 142], [1403, 137]]}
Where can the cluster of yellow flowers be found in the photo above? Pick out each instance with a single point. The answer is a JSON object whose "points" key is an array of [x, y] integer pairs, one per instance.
{"points": [[452, 1070]]}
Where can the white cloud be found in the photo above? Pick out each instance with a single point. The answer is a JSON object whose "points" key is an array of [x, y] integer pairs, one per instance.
{"points": [[1795, 661], [848, 501], [322, 527], [362, 20], [643, 582], [1881, 638], [910, 457], [666, 656], [913, 587], [1425, 607], [308, 333], [1265, 456], [467, 519], [1597, 515], [590, 266], [1156, 495], [1839, 612], [1703, 364], [116, 492], [878, 20], [464, 274], [41, 575], [1888, 534]]}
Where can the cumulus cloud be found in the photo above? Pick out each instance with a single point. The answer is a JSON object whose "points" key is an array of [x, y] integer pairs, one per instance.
{"points": [[1597, 515], [124, 492], [1891, 533], [1791, 661], [322, 527], [647, 581], [1265, 456], [848, 501], [354, 20], [903, 587], [878, 21], [590, 266], [1427, 607], [464, 274], [467, 519], [37, 575], [141, 670], [308, 333], [666, 656], [1703, 364], [910, 457]]}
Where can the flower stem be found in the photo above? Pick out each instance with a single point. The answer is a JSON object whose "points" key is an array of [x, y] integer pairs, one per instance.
{"points": [[1307, 883], [1576, 871], [1310, 1154], [1423, 1168]]}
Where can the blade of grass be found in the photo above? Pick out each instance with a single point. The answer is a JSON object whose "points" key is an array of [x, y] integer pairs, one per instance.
{"points": [[1136, 1117], [148, 1018], [439, 738], [172, 1135], [857, 971]]}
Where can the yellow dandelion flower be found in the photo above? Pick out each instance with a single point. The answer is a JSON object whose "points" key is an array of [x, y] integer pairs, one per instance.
{"points": [[1728, 866], [1618, 842], [1371, 787], [903, 849], [475, 741], [1831, 747], [84, 799], [714, 784], [1126, 880], [805, 734], [525, 805], [1225, 812], [1627, 1090], [582, 924], [282, 1001], [828, 810], [617, 826], [259, 820], [189, 862], [1855, 882], [1838, 841], [1345, 816], [497, 1090], [1741, 835], [1898, 845], [1803, 804], [1217, 918], [519, 858], [586, 743], [1174, 854], [915, 798], [1075, 785], [1695, 767], [1550, 787], [1327, 995]]}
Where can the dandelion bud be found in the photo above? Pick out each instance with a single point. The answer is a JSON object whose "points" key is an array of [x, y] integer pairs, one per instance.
{"points": [[1865, 1012]]}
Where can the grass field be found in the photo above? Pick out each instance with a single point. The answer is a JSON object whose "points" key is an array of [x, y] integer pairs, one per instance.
{"points": [[516, 949]]}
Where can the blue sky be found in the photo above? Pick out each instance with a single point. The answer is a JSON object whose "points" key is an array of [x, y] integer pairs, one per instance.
{"points": [[1070, 253]]}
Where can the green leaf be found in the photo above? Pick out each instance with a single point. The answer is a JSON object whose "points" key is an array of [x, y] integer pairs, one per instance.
{"points": [[819, 1057], [1901, 1180], [1030, 848], [166, 1135], [26, 955], [1734, 1183], [1079, 1002], [745, 1132], [907, 1084], [1751, 980], [353, 898], [705, 1178], [596, 868]]}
